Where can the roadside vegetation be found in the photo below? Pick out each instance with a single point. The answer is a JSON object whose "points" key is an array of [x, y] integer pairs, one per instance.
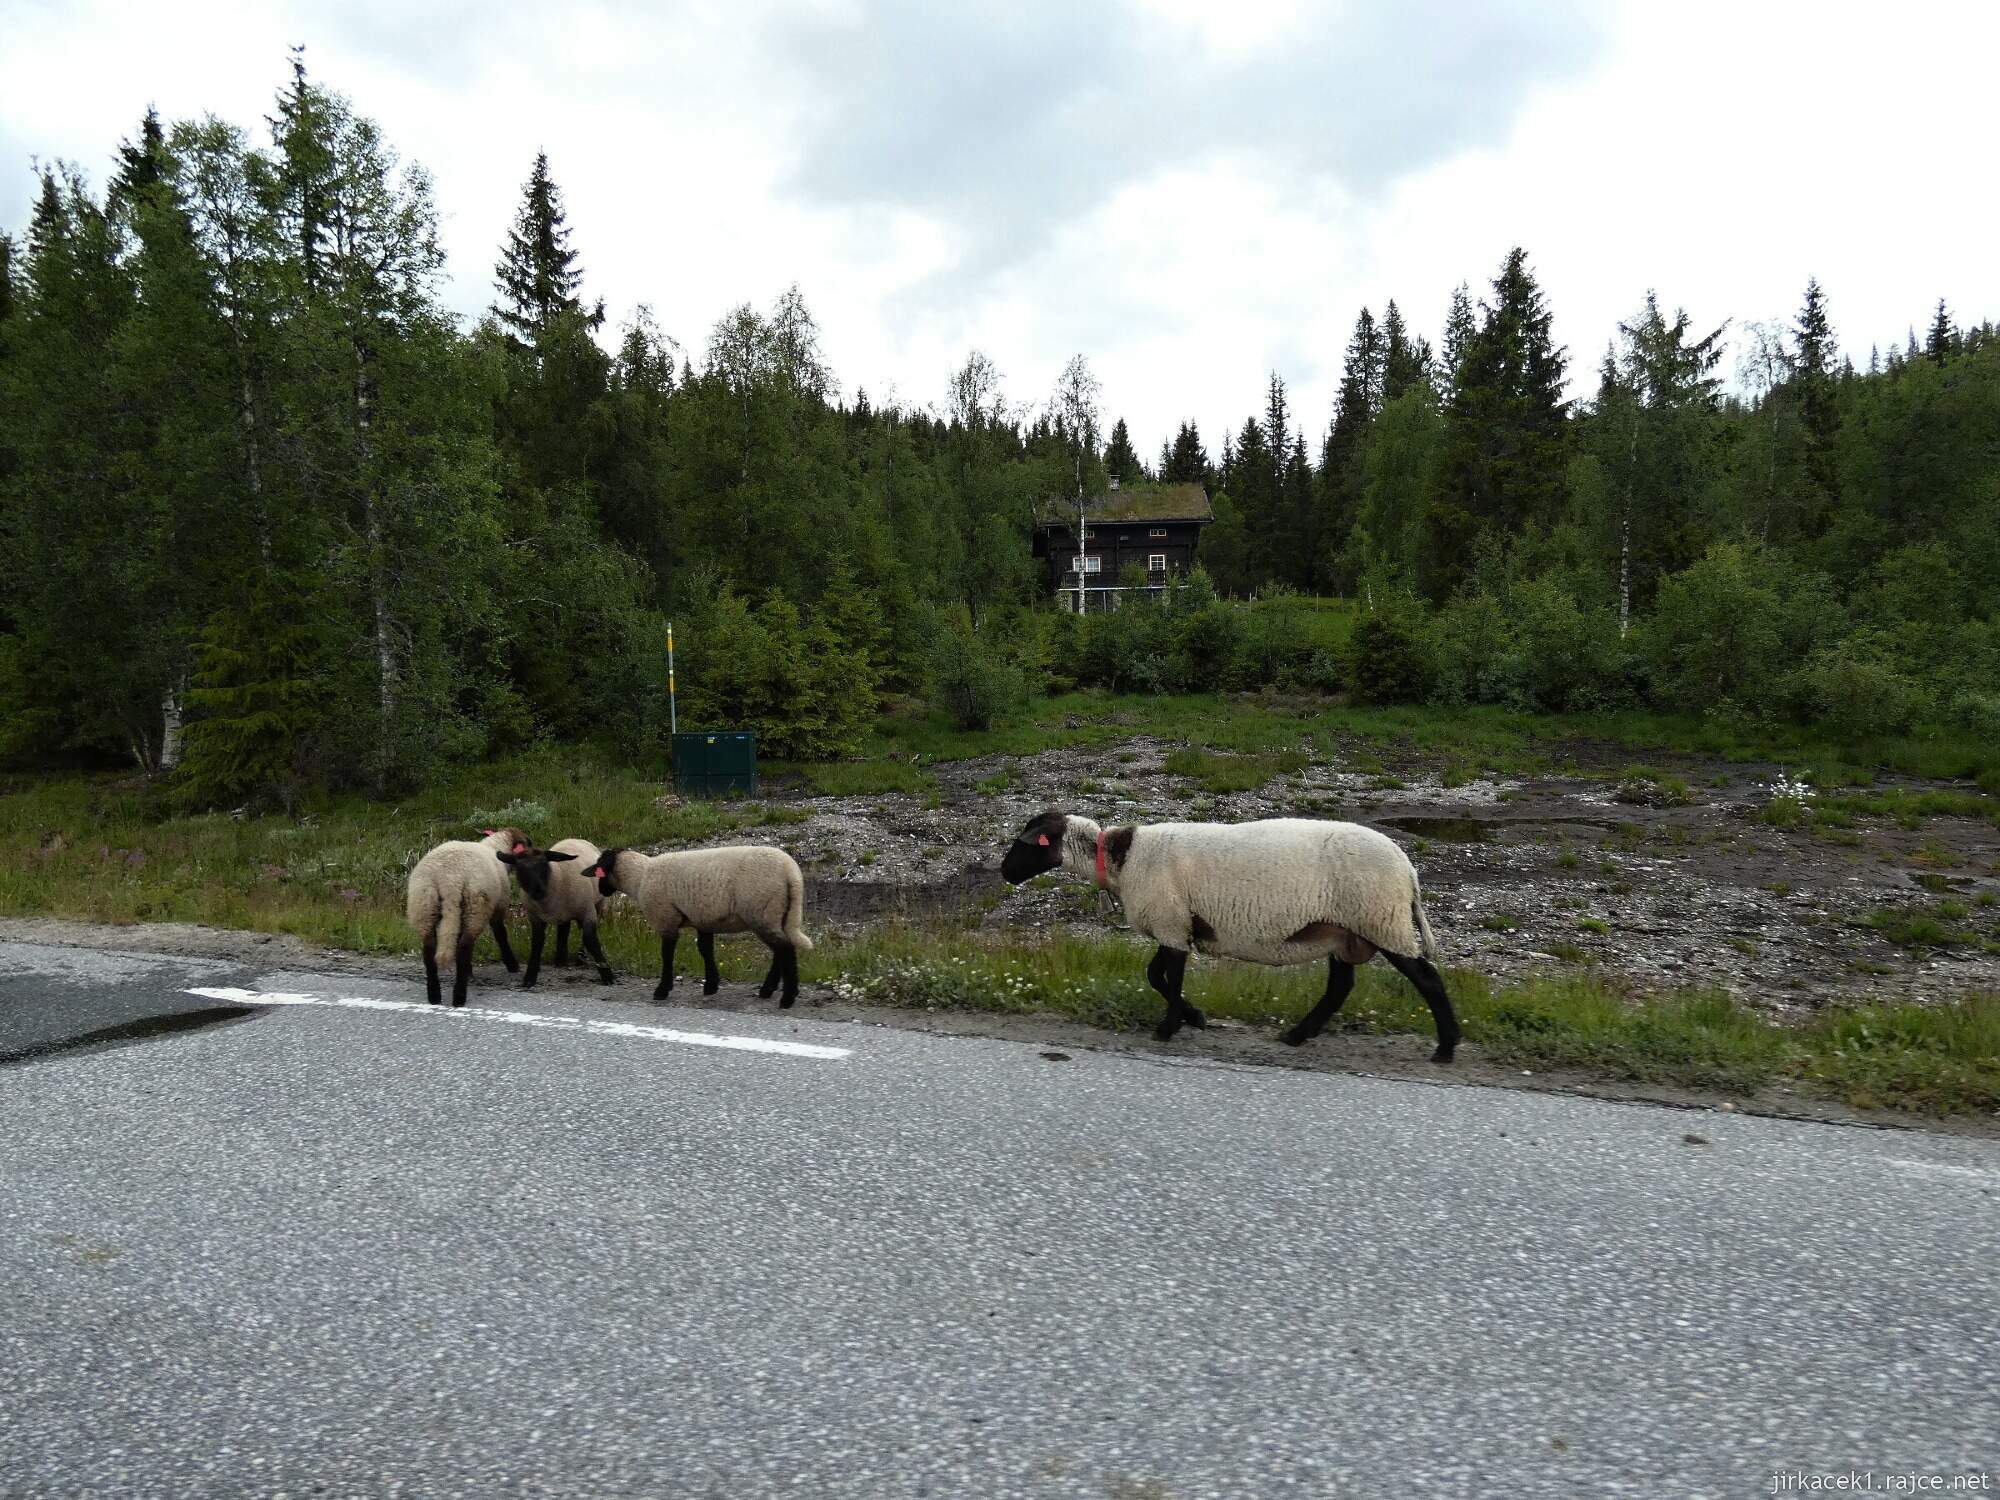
{"points": [[118, 849]]}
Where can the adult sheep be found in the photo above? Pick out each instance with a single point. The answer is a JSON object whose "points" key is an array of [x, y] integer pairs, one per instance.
{"points": [[556, 889], [744, 888], [455, 890], [1280, 891]]}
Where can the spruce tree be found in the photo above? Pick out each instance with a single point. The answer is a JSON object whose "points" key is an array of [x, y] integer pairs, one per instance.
{"points": [[1819, 412], [538, 276], [1940, 342], [1120, 461], [1406, 360], [1507, 454], [1459, 327]]}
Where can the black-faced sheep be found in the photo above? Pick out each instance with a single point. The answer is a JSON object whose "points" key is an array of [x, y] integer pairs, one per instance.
{"points": [[1280, 891], [556, 889], [457, 889], [748, 888]]}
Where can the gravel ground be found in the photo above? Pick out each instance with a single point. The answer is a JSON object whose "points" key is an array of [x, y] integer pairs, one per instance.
{"points": [[1704, 894]]}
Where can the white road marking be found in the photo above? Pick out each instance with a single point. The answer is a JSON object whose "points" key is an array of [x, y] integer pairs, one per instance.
{"points": [[524, 1018]]}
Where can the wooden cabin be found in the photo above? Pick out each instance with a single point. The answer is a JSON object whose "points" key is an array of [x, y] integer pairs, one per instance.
{"points": [[1153, 526]]}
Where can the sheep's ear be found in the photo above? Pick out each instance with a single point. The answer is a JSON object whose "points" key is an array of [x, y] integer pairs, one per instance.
{"points": [[489, 832], [506, 858], [556, 859]]}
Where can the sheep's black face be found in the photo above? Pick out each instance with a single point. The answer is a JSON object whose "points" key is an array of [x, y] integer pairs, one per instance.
{"points": [[531, 868], [1037, 850], [601, 872]]}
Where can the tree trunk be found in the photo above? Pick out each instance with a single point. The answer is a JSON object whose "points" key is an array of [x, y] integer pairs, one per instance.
{"points": [[378, 583], [1625, 536], [170, 727]]}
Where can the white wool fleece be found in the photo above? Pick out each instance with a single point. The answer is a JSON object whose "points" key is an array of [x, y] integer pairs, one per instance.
{"points": [[744, 888], [457, 887], [1279, 891], [571, 898]]}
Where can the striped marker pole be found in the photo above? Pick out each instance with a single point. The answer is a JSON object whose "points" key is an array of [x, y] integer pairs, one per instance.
{"points": [[673, 707]]}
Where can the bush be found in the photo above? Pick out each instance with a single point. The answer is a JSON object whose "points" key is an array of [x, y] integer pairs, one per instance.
{"points": [[1853, 688], [1387, 662], [968, 679]]}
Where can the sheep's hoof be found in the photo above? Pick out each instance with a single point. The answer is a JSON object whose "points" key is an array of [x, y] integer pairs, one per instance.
{"points": [[788, 1001], [1165, 1030], [767, 992], [709, 987], [660, 997], [1442, 1055], [605, 976], [1295, 1038], [513, 965], [528, 983], [1192, 1016]]}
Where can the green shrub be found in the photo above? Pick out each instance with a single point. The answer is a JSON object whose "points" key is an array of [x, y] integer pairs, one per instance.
{"points": [[971, 681], [1387, 662]]}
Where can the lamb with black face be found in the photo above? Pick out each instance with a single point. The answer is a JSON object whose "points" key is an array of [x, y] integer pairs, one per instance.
{"points": [[1037, 849]]}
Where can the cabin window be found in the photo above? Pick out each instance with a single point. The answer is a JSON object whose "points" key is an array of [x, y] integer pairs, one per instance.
{"points": [[1157, 563], [1157, 531], [1086, 565]]}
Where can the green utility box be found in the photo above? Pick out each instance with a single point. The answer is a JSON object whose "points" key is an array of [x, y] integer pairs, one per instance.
{"points": [[708, 765]]}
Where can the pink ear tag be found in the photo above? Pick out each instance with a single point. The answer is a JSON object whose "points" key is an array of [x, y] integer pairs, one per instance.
{"points": [[1042, 839]]}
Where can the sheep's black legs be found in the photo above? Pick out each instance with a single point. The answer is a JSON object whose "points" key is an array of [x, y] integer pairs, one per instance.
{"points": [[1430, 985], [770, 985], [538, 932], [596, 950], [431, 991], [1165, 973], [500, 937], [789, 956], [1339, 980], [665, 987], [463, 976], [711, 977], [562, 945]]}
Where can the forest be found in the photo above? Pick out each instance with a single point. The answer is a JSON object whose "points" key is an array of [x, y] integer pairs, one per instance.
{"points": [[272, 520]]}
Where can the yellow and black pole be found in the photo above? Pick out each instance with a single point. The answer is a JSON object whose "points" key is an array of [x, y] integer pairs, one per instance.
{"points": [[673, 708]]}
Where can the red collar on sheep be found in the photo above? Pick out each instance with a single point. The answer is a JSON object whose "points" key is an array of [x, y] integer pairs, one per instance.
{"points": [[1106, 884]]}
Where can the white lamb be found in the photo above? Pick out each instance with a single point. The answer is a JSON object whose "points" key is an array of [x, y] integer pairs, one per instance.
{"points": [[556, 890], [746, 888], [455, 890], [1280, 891]]}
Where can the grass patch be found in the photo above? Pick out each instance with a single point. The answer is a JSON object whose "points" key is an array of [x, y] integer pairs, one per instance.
{"points": [[1936, 928], [859, 778], [1939, 1060], [1594, 924], [1219, 774]]}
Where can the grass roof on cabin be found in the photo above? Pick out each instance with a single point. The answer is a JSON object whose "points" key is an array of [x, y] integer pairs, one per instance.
{"points": [[1138, 502]]}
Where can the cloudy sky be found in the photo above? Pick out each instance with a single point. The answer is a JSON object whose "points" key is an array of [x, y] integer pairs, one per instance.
{"points": [[1191, 194]]}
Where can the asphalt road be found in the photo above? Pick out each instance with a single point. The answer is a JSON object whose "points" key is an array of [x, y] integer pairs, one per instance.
{"points": [[313, 1248]]}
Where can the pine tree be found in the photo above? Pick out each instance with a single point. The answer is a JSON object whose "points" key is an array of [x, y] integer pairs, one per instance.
{"points": [[1120, 461], [1406, 361], [1363, 379], [1459, 328], [1941, 341], [1504, 470], [1819, 412], [1187, 461], [537, 275]]}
